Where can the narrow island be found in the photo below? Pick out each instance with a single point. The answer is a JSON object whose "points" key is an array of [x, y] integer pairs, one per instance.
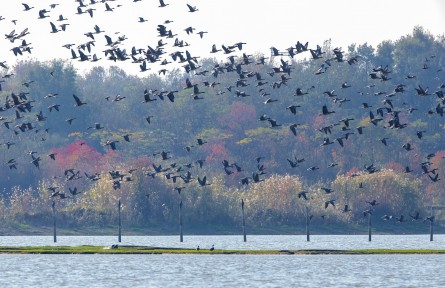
{"points": [[124, 249]]}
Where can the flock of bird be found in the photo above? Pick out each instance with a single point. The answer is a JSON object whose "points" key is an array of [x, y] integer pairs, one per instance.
{"points": [[386, 116]]}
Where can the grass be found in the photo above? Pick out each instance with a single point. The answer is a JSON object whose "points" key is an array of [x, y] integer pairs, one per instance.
{"points": [[166, 250]]}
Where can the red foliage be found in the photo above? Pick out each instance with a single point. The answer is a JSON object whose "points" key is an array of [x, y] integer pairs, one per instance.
{"points": [[239, 117], [70, 155], [216, 152], [318, 121], [395, 166], [353, 170], [302, 139], [437, 159]]}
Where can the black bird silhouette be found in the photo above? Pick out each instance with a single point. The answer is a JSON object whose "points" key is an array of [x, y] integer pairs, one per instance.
{"points": [[421, 91], [303, 194], [408, 170], [53, 28], [111, 143], [42, 13], [325, 110], [435, 178], [360, 129], [126, 137], [293, 108], [293, 128], [192, 8], [214, 49], [367, 212], [327, 190], [400, 219], [372, 203], [293, 163], [78, 101], [35, 161], [326, 141], [200, 162], [346, 209], [162, 3], [430, 218], [108, 8], [203, 181], [245, 181], [407, 147], [256, 178], [196, 93], [383, 140], [26, 7], [273, 123], [73, 191], [329, 202], [143, 66], [415, 217], [420, 134]]}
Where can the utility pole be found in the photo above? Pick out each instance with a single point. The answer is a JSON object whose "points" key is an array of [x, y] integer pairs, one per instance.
{"points": [[54, 221], [244, 222], [119, 221], [181, 239], [307, 224], [369, 226]]}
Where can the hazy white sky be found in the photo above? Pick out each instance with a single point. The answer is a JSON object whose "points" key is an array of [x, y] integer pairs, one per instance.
{"points": [[260, 24]]}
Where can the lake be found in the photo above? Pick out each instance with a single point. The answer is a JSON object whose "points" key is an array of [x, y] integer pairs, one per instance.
{"points": [[227, 270], [274, 242]]}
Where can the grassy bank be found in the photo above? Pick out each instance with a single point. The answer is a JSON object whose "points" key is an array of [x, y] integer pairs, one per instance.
{"points": [[165, 250]]}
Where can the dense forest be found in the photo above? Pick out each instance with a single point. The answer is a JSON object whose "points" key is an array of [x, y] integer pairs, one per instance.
{"points": [[344, 132]]}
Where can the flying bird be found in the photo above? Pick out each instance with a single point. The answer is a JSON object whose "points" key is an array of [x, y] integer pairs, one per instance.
{"points": [[78, 101], [192, 8]]}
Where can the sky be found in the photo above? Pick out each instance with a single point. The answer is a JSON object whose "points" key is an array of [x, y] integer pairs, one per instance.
{"points": [[259, 24]]}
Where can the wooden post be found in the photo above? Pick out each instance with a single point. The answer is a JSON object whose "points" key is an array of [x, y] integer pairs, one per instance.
{"points": [[244, 222], [119, 238], [54, 221], [431, 224], [307, 224], [369, 226], [181, 239]]}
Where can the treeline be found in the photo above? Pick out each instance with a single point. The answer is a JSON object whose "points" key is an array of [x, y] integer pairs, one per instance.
{"points": [[358, 168]]}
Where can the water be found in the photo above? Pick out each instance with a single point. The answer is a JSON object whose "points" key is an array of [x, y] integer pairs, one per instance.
{"points": [[227, 270], [222, 271], [254, 242]]}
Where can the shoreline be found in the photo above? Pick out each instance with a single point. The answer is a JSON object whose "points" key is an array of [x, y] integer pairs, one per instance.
{"points": [[125, 249]]}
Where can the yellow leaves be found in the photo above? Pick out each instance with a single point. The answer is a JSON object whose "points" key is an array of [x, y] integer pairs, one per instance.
{"points": [[277, 194], [214, 133], [364, 122], [244, 141], [418, 124], [267, 132], [75, 134], [394, 191]]}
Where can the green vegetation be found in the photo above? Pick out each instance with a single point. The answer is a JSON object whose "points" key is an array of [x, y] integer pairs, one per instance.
{"points": [[163, 250], [231, 128]]}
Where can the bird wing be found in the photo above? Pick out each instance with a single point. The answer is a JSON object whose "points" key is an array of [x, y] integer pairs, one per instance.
{"points": [[78, 102]]}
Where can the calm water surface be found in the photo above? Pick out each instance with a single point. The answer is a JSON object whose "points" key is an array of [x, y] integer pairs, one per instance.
{"points": [[222, 271], [227, 270]]}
